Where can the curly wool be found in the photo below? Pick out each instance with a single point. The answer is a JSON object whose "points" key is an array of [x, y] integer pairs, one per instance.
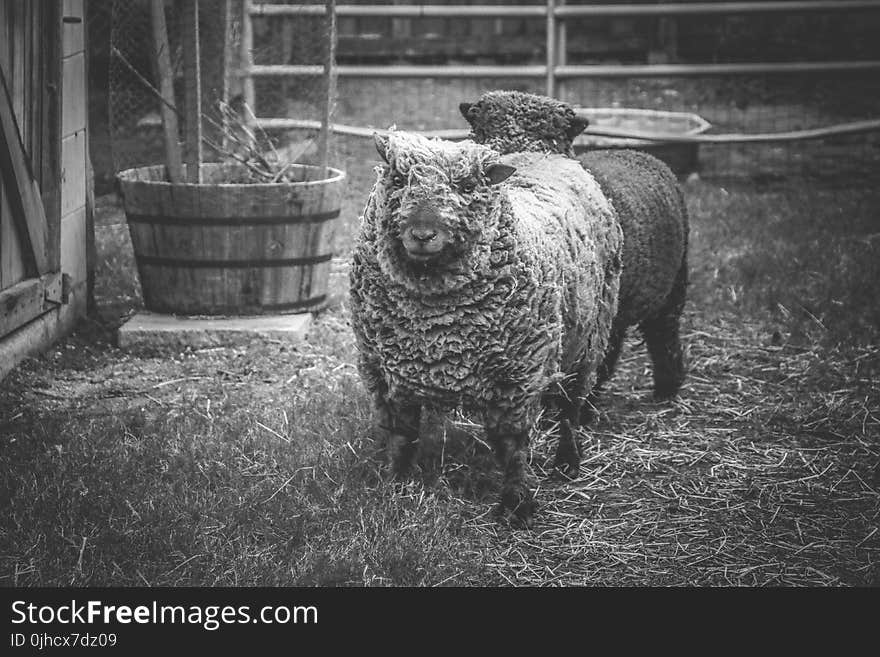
{"points": [[643, 191], [653, 215], [515, 121], [526, 295]]}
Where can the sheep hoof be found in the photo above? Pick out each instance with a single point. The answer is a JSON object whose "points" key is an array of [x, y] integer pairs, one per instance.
{"points": [[400, 469], [588, 416], [399, 456], [667, 387], [567, 463], [567, 468], [518, 507], [664, 393]]}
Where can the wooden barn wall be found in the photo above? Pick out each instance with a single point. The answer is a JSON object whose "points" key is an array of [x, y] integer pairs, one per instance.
{"points": [[66, 197], [29, 60], [14, 60]]}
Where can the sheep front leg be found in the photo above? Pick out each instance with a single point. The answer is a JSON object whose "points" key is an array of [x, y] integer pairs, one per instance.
{"points": [[399, 422], [510, 446]]}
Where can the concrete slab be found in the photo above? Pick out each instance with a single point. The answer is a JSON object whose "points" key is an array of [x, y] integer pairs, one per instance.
{"points": [[146, 329]]}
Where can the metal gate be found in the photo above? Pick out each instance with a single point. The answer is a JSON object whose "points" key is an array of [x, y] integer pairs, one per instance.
{"points": [[555, 72]]}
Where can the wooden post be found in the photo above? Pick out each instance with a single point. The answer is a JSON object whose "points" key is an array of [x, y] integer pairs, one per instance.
{"points": [[561, 47], [193, 79], [561, 35], [173, 159], [91, 245], [551, 48], [401, 28], [330, 80], [286, 54], [232, 64], [247, 60], [213, 28]]}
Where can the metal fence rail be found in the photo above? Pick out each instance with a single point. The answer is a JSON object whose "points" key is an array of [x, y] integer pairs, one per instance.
{"points": [[665, 9]]}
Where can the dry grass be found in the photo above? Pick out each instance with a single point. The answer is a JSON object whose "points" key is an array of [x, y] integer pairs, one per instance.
{"points": [[763, 473], [254, 464]]}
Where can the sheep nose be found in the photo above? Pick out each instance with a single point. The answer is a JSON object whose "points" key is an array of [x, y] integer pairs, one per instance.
{"points": [[423, 233]]}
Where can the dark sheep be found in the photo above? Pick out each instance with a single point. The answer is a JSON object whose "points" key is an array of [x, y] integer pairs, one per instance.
{"points": [[650, 207]]}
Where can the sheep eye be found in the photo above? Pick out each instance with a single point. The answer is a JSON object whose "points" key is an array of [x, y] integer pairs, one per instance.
{"points": [[398, 180], [467, 186]]}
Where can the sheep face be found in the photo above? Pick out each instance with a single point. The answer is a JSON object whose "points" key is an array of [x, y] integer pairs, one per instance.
{"points": [[511, 121], [438, 209]]}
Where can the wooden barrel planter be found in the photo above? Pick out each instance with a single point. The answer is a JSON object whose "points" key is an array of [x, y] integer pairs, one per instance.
{"points": [[229, 248]]}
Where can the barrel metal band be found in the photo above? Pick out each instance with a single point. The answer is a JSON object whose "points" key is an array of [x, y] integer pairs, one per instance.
{"points": [[162, 220], [231, 264], [311, 301]]}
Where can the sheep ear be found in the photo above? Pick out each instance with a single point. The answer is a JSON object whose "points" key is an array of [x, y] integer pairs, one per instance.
{"points": [[499, 173], [381, 146], [464, 108], [576, 126]]}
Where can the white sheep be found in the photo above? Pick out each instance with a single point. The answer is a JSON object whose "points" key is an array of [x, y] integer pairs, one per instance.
{"points": [[487, 284]]}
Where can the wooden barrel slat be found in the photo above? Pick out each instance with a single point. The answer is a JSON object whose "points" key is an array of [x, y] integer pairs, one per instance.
{"points": [[220, 248]]}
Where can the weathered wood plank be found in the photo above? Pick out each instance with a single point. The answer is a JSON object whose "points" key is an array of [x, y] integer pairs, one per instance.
{"points": [[27, 121], [74, 245], [73, 172], [17, 72], [23, 193], [73, 95], [11, 264], [27, 300], [50, 176], [5, 38], [36, 336], [74, 32]]}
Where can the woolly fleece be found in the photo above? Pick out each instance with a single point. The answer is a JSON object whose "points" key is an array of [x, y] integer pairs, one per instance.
{"points": [[515, 121], [524, 296]]}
